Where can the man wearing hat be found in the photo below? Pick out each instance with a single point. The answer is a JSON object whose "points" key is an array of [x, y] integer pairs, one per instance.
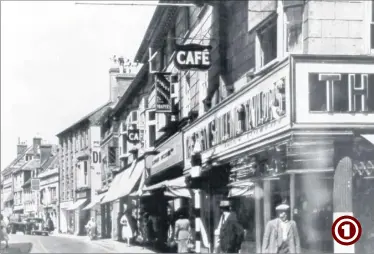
{"points": [[229, 232], [281, 235]]}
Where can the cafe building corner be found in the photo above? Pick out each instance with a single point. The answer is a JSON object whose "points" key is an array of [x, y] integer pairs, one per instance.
{"points": [[288, 136]]}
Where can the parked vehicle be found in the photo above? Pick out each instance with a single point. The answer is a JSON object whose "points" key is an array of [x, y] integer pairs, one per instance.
{"points": [[36, 226], [17, 224]]}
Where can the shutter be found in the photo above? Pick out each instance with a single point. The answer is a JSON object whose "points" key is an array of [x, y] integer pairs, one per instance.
{"points": [[258, 11]]}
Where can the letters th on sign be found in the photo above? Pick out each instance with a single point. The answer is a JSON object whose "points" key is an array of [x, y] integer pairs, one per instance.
{"points": [[193, 56], [163, 92], [341, 92]]}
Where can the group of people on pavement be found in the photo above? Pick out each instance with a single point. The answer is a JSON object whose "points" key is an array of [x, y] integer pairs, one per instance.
{"points": [[280, 236]]}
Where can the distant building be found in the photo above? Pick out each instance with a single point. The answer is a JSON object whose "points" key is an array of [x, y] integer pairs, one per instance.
{"points": [[80, 162]]}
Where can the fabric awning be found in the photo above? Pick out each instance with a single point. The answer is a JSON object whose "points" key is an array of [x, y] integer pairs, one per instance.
{"points": [[369, 137], [94, 202], [111, 194], [124, 183], [243, 189], [129, 181], [77, 204], [173, 188]]}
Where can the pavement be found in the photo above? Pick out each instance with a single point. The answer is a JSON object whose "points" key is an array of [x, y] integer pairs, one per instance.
{"points": [[60, 243]]}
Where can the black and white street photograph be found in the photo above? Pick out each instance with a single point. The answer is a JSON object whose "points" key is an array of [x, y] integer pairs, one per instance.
{"points": [[187, 126]]}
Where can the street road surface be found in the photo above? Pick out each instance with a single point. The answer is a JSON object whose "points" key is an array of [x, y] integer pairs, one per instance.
{"points": [[51, 244]]}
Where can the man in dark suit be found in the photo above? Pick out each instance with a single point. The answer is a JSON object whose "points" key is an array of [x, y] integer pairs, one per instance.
{"points": [[231, 233], [281, 235]]}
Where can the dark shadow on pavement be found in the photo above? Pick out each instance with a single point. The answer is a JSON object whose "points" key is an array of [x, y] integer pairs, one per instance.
{"points": [[16, 248]]}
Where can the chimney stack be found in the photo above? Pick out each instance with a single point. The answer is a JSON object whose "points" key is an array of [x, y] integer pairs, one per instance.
{"points": [[37, 141], [21, 147], [45, 153]]}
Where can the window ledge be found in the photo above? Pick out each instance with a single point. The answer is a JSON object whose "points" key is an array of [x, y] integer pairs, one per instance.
{"points": [[266, 67]]}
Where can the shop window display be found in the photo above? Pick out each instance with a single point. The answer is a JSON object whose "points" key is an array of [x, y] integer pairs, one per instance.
{"points": [[313, 211]]}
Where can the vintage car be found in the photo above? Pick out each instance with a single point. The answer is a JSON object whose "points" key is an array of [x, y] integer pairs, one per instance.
{"points": [[16, 224], [36, 226]]}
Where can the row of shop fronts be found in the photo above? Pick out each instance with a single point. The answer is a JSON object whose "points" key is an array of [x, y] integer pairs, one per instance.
{"points": [[262, 146]]}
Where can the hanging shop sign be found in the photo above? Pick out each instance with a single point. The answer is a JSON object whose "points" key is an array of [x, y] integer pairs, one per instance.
{"points": [[163, 92], [254, 113], [133, 136], [193, 56]]}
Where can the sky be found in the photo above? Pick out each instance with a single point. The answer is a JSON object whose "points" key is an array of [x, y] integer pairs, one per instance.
{"points": [[55, 58]]}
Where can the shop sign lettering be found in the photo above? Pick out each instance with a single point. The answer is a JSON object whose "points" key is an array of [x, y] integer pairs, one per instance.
{"points": [[163, 92], [133, 136], [96, 157], [242, 122], [192, 56], [163, 156]]}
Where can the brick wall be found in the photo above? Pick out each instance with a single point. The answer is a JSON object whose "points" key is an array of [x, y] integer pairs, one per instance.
{"points": [[334, 27]]}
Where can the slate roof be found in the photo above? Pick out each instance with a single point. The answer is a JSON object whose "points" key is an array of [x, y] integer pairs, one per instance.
{"points": [[52, 162], [92, 117], [17, 162]]}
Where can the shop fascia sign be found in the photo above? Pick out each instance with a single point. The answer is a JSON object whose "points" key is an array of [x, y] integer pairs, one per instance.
{"points": [[246, 120], [163, 156], [192, 57]]}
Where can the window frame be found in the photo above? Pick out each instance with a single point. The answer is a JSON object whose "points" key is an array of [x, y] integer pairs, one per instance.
{"points": [[259, 66], [148, 123]]}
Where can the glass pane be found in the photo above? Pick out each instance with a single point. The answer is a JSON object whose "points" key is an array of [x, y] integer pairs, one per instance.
{"points": [[317, 93], [294, 18], [341, 94]]}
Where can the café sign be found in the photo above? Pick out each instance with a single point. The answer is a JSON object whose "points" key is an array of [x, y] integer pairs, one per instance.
{"points": [[256, 112], [133, 136], [193, 56]]}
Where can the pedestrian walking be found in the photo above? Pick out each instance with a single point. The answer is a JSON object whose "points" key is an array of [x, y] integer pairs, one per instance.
{"points": [[281, 235], [128, 227], [230, 234], [182, 231], [3, 232]]}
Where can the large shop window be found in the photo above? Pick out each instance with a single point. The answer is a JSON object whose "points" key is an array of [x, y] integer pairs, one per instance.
{"points": [[313, 211], [266, 45], [341, 92]]}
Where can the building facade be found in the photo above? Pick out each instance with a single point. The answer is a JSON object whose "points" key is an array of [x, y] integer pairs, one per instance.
{"points": [[80, 159], [49, 189], [275, 138], [255, 135]]}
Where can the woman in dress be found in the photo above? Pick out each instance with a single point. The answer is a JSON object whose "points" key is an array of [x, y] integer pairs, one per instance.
{"points": [[3, 233], [128, 230], [182, 231]]}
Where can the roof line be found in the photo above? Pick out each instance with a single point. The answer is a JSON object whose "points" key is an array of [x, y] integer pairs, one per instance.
{"points": [[148, 36], [139, 77], [17, 159], [86, 117]]}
